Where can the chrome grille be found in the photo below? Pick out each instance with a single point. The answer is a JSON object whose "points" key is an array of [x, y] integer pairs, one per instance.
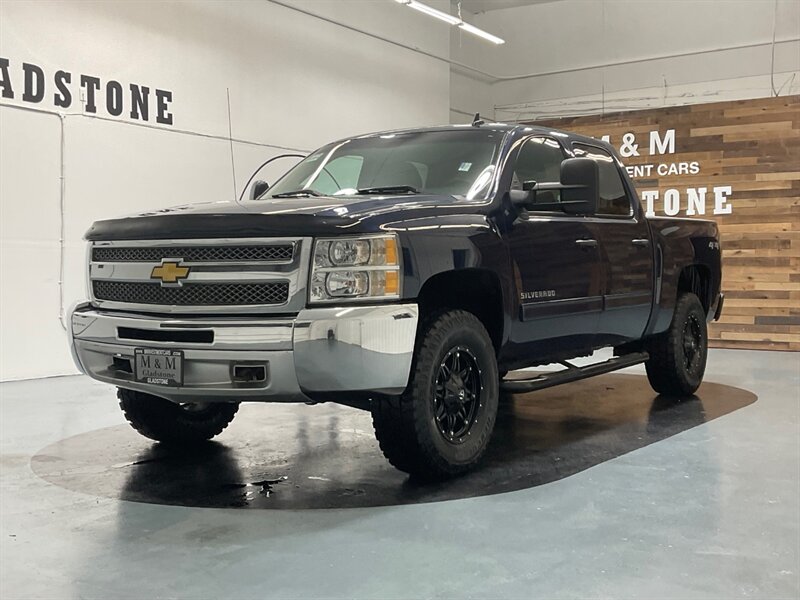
{"points": [[224, 276], [277, 253], [210, 294]]}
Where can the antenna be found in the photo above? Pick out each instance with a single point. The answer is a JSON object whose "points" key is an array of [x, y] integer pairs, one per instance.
{"points": [[477, 121], [230, 139]]}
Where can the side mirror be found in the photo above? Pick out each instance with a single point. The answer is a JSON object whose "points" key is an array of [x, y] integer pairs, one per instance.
{"points": [[258, 188], [525, 197], [580, 186]]}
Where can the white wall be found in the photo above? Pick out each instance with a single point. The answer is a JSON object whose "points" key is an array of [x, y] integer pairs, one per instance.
{"points": [[295, 81], [468, 96], [579, 35]]}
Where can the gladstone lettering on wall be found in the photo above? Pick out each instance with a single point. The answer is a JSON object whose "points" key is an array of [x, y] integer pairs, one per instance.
{"points": [[30, 84]]}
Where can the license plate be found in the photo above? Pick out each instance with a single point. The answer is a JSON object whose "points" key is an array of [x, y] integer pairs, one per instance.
{"points": [[158, 366]]}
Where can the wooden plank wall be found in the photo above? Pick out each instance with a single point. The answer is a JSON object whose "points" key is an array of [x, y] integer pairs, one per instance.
{"points": [[754, 147]]}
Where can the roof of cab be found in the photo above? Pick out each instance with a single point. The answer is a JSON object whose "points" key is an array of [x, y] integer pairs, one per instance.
{"points": [[504, 127]]}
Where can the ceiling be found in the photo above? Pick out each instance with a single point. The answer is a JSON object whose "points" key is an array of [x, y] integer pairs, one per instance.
{"points": [[479, 6]]}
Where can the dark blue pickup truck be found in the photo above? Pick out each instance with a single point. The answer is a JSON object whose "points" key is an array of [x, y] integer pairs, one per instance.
{"points": [[405, 273]]}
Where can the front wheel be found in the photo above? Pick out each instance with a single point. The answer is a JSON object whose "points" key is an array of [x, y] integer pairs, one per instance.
{"points": [[441, 425], [678, 356], [165, 421]]}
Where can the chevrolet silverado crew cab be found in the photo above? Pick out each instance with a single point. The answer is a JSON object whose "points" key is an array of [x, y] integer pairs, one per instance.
{"points": [[405, 273]]}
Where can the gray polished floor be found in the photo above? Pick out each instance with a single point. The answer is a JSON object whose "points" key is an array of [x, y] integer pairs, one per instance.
{"points": [[630, 497]]}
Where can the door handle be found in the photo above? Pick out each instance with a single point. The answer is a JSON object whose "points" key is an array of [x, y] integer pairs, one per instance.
{"points": [[586, 243], [640, 242]]}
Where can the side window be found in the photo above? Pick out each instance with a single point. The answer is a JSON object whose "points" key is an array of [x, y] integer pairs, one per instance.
{"points": [[539, 160], [613, 198]]}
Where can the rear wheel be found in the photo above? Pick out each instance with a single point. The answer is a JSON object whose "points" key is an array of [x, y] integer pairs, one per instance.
{"points": [[165, 421], [678, 356], [441, 425]]}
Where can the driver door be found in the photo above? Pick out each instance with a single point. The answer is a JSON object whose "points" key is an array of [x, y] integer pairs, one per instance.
{"points": [[556, 265]]}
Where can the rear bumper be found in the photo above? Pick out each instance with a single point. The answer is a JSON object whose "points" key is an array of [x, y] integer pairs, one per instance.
{"points": [[321, 351]]}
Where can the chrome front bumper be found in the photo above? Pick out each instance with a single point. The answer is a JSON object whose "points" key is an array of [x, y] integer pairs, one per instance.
{"points": [[322, 350]]}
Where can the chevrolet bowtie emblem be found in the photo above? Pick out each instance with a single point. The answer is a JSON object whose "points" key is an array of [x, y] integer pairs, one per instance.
{"points": [[170, 271]]}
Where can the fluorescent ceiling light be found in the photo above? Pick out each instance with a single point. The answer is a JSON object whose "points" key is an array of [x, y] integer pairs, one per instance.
{"points": [[480, 33], [429, 10], [451, 20], [424, 8]]}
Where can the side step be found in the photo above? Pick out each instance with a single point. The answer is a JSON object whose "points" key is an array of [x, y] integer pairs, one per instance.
{"points": [[572, 373]]}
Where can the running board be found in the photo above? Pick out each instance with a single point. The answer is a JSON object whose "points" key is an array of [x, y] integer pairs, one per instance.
{"points": [[572, 373]]}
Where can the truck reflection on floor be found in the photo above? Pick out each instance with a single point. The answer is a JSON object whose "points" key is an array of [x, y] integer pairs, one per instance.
{"points": [[300, 457]]}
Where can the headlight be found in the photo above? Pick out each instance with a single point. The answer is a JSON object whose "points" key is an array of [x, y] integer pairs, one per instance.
{"points": [[355, 269], [349, 252]]}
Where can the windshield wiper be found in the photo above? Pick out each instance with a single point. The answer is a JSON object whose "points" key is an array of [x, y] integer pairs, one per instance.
{"points": [[389, 189], [297, 193]]}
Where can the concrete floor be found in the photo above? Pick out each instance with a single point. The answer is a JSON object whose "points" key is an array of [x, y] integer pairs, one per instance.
{"points": [[707, 509]]}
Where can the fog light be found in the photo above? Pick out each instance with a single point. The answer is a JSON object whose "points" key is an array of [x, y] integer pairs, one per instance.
{"points": [[249, 373]]}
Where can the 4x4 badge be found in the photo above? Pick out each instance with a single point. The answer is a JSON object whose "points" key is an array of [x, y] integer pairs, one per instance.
{"points": [[170, 271]]}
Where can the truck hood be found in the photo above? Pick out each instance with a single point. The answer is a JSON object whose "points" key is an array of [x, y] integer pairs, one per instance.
{"points": [[323, 215]]}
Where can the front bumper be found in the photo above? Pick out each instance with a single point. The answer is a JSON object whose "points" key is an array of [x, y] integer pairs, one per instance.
{"points": [[319, 352]]}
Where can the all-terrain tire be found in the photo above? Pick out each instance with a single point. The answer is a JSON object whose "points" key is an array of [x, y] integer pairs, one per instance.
{"points": [[409, 428], [165, 421], [678, 356]]}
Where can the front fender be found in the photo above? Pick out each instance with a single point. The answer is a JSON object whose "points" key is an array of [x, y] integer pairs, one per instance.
{"points": [[441, 244], [433, 245]]}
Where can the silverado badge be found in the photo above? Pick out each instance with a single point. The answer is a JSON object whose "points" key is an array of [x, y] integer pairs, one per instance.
{"points": [[170, 271]]}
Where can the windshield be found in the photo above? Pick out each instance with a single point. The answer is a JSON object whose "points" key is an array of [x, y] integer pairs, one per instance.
{"points": [[456, 162]]}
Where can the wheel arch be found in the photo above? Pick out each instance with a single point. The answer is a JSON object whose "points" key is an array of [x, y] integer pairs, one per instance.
{"points": [[696, 278], [475, 290]]}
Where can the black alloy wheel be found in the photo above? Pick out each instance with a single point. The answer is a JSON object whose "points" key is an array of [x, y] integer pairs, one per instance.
{"points": [[459, 386], [692, 344]]}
